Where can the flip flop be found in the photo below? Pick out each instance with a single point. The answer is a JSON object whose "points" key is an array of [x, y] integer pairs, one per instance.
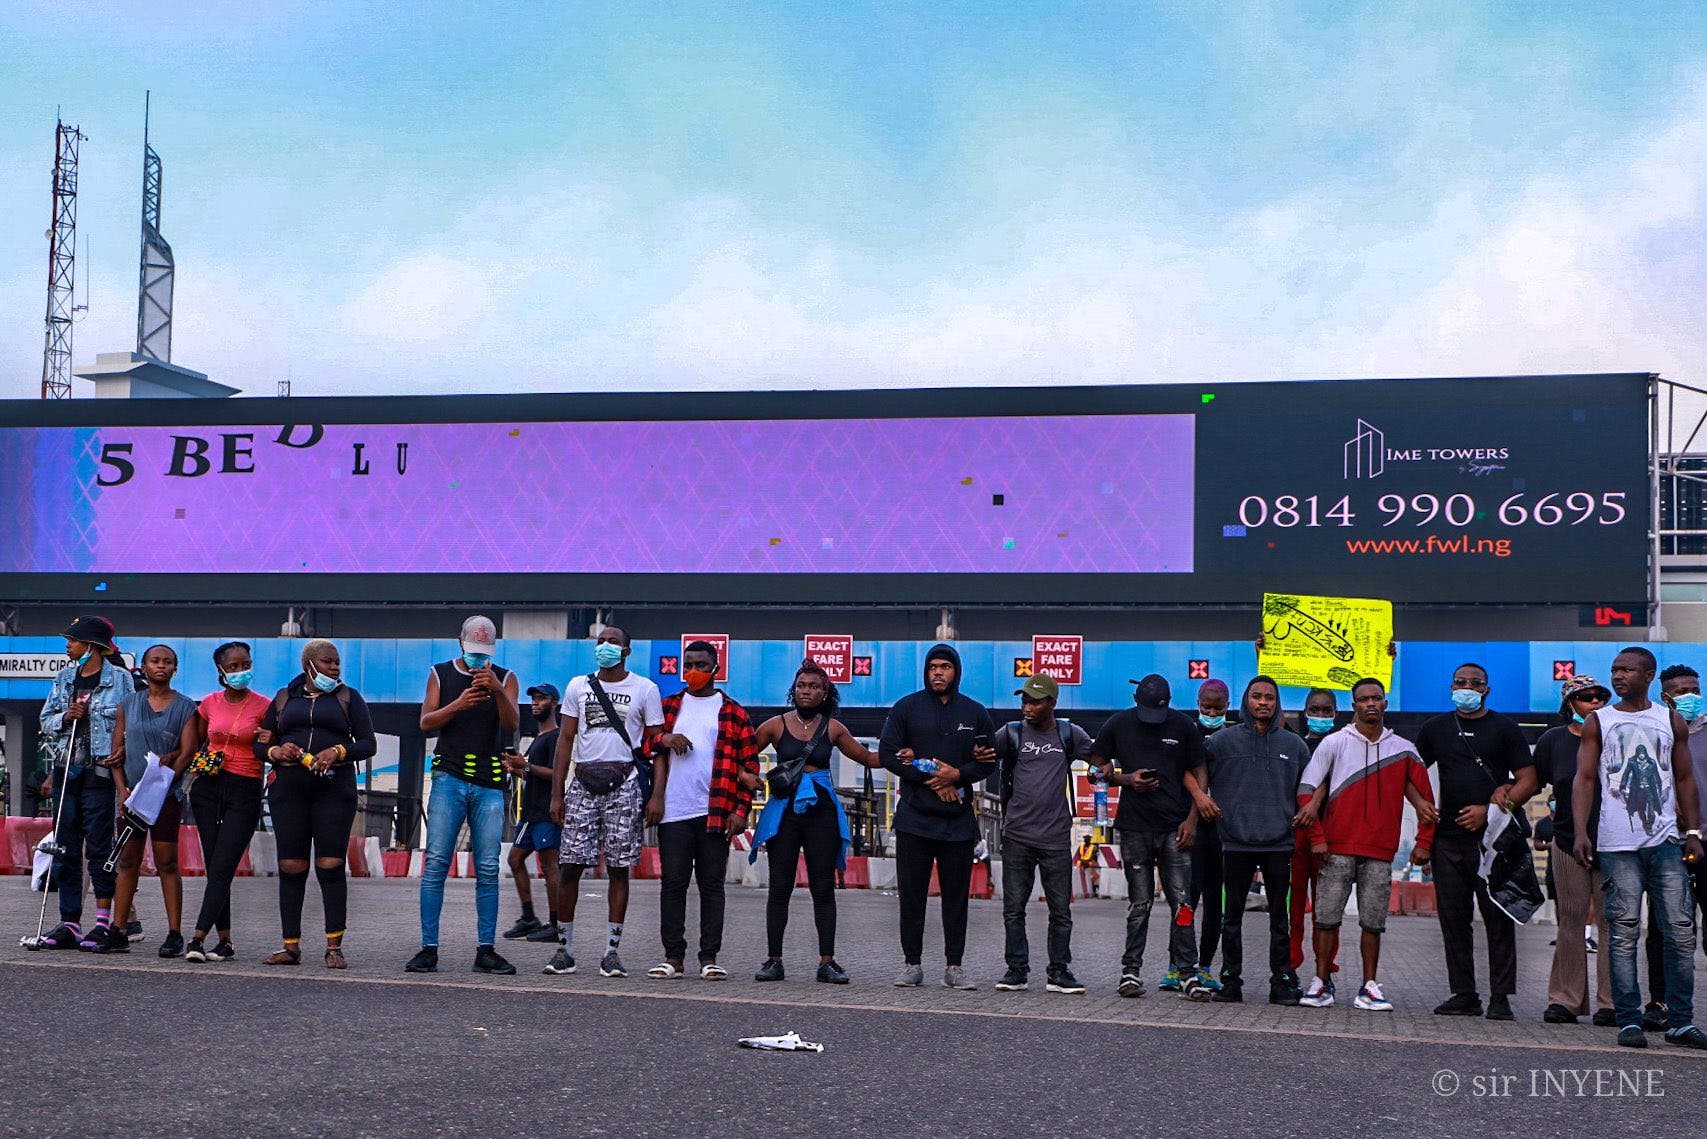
{"points": [[664, 972], [712, 971]]}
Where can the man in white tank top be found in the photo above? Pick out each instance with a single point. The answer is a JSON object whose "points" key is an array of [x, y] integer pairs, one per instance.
{"points": [[1634, 762]]}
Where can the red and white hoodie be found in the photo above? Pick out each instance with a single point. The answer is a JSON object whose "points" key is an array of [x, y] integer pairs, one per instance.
{"points": [[1366, 792]]}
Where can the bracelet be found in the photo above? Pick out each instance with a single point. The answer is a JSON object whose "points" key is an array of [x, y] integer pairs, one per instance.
{"points": [[342, 752]]}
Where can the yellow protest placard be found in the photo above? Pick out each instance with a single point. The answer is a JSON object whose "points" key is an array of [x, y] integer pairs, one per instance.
{"points": [[1325, 642]]}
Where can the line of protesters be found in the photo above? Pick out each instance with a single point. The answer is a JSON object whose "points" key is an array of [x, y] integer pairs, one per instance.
{"points": [[1317, 812]]}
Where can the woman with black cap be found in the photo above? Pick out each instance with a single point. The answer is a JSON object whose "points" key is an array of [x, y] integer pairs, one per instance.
{"points": [[314, 734], [80, 714]]}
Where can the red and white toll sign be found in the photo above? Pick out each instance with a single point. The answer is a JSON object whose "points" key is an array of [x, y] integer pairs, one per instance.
{"points": [[720, 641], [1062, 658], [833, 653]]}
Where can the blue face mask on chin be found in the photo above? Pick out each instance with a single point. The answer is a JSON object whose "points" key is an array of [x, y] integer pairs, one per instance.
{"points": [[1466, 699], [608, 654], [1211, 722], [1577, 718], [476, 660], [1319, 725], [326, 683]]}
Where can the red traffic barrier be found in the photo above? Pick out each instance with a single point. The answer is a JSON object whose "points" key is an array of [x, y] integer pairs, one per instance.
{"points": [[22, 834], [858, 874], [800, 876], [191, 863], [245, 868], [982, 887], [356, 856], [650, 864], [395, 862]]}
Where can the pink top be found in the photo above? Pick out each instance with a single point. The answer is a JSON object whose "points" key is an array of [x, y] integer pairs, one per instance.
{"points": [[231, 728]]}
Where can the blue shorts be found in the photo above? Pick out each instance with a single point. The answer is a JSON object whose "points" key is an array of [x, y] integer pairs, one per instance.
{"points": [[538, 836]]}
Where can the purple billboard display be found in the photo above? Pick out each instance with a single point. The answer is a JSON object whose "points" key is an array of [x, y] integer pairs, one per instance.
{"points": [[1083, 494]]}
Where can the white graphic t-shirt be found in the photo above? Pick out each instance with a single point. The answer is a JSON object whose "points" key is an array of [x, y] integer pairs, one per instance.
{"points": [[635, 699], [688, 793], [1638, 790]]}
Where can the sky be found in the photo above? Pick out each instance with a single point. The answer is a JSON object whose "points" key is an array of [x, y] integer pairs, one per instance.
{"points": [[439, 198]]}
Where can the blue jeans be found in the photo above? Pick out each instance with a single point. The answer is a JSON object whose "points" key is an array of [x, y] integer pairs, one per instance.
{"points": [[1657, 870], [453, 802]]}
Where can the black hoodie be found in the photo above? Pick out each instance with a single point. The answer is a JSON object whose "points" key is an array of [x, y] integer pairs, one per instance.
{"points": [[934, 729]]}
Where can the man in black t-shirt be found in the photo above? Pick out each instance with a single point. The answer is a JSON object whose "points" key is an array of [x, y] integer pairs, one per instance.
{"points": [[1146, 751], [536, 834], [1483, 761]]}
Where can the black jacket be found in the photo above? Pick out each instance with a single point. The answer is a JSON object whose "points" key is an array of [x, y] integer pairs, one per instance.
{"points": [[941, 730]]}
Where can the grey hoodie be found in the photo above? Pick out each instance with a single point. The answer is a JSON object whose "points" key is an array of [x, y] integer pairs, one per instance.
{"points": [[1253, 778]]}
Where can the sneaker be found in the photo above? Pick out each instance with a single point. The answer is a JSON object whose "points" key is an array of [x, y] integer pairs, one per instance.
{"points": [[830, 973], [488, 960], [954, 977], [1232, 993], [1591, 944], [173, 946], [1319, 995], [1687, 1037], [770, 971], [561, 964], [611, 966], [1014, 981], [912, 976], [425, 961], [522, 928], [1654, 1017], [1131, 985], [222, 952], [1371, 998], [1558, 1014], [1193, 989], [65, 935], [133, 930], [1062, 981], [107, 939], [1285, 991], [1208, 981], [195, 951], [1499, 1007], [544, 933], [1170, 982], [1605, 1018], [1632, 1037], [1460, 1004]]}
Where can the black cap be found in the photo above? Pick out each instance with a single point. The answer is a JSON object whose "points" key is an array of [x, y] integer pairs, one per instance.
{"points": [[546, 690], [97, 631], [1152, 698]]}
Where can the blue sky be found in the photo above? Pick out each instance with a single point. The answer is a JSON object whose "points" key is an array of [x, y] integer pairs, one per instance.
{"points": [[386, 198]]}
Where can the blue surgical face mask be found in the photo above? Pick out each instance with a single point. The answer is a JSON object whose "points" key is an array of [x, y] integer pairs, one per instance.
{"points": [[325, 683], [1466, 699], [476, 660], [239, 680], [608, 654], [1688, 705], [1211, 722], [1577, 718], [1319, 725]]}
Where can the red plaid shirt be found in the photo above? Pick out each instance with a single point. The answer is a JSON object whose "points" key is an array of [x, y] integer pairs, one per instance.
{"points": [[735, 751]]}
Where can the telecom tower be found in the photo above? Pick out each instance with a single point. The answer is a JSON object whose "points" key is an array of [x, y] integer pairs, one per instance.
{"points": [[154, 296], [61, 265]]}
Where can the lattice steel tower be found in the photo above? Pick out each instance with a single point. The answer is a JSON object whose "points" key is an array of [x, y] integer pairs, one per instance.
{"points": [[154, 299], [61, 265]]}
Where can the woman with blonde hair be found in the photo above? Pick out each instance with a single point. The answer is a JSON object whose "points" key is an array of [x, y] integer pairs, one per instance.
{"points": [[316, 731]]}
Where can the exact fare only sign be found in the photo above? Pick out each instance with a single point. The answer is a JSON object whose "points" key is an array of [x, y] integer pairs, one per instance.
{"points": [[833, 652], [1061, 658]]}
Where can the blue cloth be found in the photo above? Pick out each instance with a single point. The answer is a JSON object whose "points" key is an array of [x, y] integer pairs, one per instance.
{"points": [[1657, 870], [453, 801], [770, 819], [538, 836]]}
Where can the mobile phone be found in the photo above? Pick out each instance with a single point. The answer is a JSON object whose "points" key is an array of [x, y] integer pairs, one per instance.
{"points": [[1145, 773], [980, 740]]}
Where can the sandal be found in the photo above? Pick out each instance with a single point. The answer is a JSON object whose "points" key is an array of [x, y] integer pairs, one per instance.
{"points": [[712, 971], [284, 957], [664, 972], [335, 958]]}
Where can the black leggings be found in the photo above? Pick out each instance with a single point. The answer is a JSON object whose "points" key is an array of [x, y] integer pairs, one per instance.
{"points": [[913, 858], [315, 810], [818, 834], [227, 810]]}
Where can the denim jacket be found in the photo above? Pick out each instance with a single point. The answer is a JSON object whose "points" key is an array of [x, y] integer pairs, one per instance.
{"points": [[116, 684]]}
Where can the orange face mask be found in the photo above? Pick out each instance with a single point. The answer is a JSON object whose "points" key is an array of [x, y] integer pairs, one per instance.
{"points": [[698, 677]]}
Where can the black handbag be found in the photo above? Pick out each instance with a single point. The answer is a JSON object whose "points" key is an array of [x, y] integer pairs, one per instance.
{"points": [[603, 778], [785, 777]]}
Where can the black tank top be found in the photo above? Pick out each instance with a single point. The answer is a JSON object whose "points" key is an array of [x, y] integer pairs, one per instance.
{"points": [[790, 747], [468, 746]]}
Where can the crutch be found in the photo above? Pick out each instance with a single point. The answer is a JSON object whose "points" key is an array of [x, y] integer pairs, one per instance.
{"points": [[50, 845]]}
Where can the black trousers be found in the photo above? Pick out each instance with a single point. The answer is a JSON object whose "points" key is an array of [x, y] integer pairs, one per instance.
{"points": [[227, 809], [1238, 868], [914, 857], [686, 849], [1206, 890], [1456, 887], [818, 835], [313, 812]]}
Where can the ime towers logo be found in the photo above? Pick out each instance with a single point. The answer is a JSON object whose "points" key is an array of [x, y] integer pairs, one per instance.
{"points": [[1366, 455], [1366, 452]]}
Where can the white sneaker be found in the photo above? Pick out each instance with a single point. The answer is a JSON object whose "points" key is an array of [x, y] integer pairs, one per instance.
{"points": [[1319, 995], [1370, 997]]}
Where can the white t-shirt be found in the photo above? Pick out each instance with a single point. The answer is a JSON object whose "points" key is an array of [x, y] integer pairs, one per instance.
{"points": [[688, 793], [1638, 789], [635, 699]]}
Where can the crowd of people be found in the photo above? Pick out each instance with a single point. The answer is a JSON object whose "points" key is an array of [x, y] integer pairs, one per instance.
{"points": [[1207, 805]]}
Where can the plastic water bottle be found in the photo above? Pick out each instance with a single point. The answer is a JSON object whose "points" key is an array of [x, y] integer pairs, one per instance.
{"points": [[1099, 798], [927, 765]]}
